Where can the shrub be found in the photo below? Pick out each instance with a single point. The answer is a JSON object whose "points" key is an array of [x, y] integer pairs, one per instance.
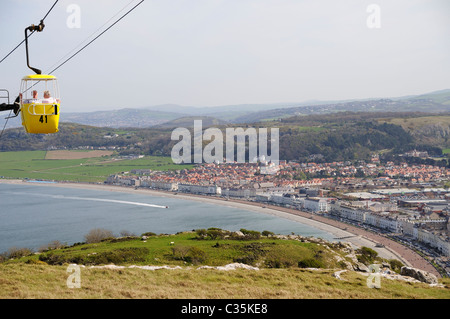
{"points": [[126, 233], [214, 234], [367, 255], [251, 234], [201, 233], [249, 259], [56, 244], [35, 262], [15, 252], [53, 259], [118, 256], [122, 239], [97, 235], [196, 255], [253, 252], [396, 265], [188, 254], [279, 262], [267, 233], [148, 234], [310, 263], [180, 252]]}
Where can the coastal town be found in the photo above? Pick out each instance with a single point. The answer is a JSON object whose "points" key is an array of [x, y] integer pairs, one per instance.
{"points": [[406, 203]]}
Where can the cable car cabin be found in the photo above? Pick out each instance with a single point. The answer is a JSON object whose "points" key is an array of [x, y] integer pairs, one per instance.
{"points": [[39, 104]]}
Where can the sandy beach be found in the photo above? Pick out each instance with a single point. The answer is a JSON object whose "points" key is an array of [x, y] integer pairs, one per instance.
{"points": [[346, 233]]}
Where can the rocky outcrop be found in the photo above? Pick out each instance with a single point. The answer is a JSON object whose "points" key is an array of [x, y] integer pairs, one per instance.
{"points": [[419, 274], [337, 274], [360, 267], [232, 266]]}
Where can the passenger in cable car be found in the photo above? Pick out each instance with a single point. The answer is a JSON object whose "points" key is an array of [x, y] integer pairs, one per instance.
{"points": [[48, 99], [34, 99]]}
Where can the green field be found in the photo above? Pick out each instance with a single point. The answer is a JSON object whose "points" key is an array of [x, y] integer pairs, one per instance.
{"points": [[33, 165]]}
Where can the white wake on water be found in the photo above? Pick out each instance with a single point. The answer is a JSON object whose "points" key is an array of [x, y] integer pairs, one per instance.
{"points": [[90, 199]]}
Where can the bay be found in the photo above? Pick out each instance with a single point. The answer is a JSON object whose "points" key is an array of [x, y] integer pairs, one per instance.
{"points": [[31, 216]]}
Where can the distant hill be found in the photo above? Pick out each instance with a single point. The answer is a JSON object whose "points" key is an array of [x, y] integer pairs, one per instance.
{"points": [[150, 116], [188, 121], [145, 117], [224, 112], [127, 117], [435, 102]]}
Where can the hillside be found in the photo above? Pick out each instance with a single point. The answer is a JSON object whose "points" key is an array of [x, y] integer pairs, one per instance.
{"points": [[326, 137], [356, 135], [434, 102], [188, 265], [431, 130]]}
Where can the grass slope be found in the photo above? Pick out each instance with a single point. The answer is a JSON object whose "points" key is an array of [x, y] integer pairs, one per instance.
{"points": [[45, 275], [49, 282]]}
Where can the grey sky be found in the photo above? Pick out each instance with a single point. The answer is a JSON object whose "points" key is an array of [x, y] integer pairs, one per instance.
{"points": [[221, 52]]}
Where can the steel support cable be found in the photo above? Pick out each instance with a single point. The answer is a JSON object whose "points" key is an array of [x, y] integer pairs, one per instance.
{"points": [[1, 133], [29, 34], [123, 16], [73, 55], [84, 41], [42, 21]]}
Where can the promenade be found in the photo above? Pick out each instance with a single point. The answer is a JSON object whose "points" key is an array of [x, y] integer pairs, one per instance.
{"points": [[406, 255]]}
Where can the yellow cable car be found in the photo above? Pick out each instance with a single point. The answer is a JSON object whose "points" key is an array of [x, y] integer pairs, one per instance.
{"points": [[40, 115]]}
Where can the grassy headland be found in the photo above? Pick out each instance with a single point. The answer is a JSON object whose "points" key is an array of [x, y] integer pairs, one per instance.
{"points": [[281, 267]]}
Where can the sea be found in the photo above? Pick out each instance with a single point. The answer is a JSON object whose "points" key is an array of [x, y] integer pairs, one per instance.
{"points": [[32, 216]]}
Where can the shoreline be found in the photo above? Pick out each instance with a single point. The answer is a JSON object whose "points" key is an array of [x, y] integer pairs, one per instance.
{"points": [[354, 235]]}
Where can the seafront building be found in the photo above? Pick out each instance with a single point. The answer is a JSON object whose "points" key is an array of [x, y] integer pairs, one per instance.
{"points": [[402, 200]]}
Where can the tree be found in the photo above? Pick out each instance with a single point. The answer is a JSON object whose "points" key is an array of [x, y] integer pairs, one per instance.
{"points": [[359, 173]]}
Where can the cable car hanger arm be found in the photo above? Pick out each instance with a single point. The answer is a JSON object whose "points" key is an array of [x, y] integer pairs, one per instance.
{"points": [[32, 28]]}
